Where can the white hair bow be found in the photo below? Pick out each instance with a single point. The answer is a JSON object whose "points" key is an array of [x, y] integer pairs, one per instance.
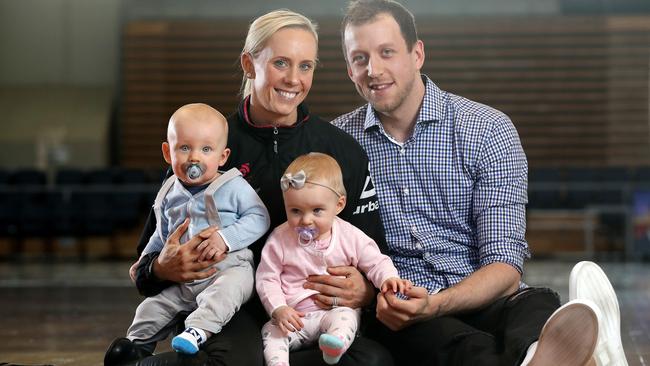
{"points": [[296, 181]]}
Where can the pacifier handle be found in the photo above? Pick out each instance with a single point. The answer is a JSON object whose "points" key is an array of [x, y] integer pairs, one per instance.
{"points": [[194, 171], [305, 238]]}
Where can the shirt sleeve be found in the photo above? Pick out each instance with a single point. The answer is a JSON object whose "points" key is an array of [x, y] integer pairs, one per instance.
{"points": [[253, 220], [267, 277], [500, 197], [145, 281], [377, 266]]}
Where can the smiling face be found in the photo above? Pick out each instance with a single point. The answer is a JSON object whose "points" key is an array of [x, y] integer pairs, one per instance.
{"points": [[196, 135], [281, 74], [312, 206], [379, 63]]}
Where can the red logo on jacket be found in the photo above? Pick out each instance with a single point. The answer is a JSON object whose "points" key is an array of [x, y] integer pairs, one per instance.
{"points": [[244, 169]]}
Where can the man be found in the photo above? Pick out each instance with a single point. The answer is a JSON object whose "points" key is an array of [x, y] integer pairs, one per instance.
{"points": [[451, 176]]}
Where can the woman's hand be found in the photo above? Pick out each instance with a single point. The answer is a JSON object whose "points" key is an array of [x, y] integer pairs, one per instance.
{"points": [[133, 270], [179, 263], [344, 286]]}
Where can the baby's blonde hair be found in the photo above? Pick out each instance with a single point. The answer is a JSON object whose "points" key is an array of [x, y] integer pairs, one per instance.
{"points": [[319, 168]]}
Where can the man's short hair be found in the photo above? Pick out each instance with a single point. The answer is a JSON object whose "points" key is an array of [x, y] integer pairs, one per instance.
{"points": [[361, 12]]}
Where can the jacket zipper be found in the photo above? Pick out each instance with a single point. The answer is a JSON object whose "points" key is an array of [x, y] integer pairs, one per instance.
{"points": [[275, 140]]}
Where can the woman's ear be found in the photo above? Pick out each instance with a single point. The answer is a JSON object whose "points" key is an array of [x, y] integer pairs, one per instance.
{"points": [[247, 65]]}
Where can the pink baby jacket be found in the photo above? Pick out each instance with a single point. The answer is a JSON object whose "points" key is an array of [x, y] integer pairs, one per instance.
{"points": [[285, 264]]}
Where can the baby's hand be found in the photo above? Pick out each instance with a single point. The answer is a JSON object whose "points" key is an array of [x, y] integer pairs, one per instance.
{"points": [[395, 285], [288, 319], [133, 269], [212, 247]]}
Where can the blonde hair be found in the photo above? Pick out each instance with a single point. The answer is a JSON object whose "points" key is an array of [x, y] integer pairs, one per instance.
{"points": [[320, 168], [264, 27]]}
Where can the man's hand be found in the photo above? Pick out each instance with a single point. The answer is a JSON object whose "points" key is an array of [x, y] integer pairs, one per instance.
{"points": [[397, 314], [396, 285], [288, 319], [212, 248], [482, 287], [179, 263], [345, 283]]}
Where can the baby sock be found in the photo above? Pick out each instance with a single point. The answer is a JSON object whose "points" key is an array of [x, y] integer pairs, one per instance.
{"points": [[332, 347], [189, 341]]}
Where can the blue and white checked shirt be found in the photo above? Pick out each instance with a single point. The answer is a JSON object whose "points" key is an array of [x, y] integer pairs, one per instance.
{"points": [[452, 197]]}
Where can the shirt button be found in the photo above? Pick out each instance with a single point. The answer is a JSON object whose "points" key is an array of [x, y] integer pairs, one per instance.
{"points": [[402, 151], [418, 245], [406, 191], [414, 229]]}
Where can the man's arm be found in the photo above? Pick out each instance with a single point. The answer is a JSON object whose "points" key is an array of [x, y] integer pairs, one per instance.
{"points": [[499, 213], [484, 286]]}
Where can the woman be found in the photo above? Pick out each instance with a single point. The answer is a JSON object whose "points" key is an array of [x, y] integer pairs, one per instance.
{"points": [[271, 127]]}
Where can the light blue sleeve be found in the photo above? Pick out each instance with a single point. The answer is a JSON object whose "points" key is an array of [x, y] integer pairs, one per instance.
{"points": [[156, 242], [253, 221]]}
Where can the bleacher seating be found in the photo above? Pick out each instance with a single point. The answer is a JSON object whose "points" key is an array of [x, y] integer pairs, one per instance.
{"points": [[77, 204]]}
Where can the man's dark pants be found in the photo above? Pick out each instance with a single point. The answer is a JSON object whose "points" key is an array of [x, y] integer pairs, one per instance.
{"points": [[498, 334]]}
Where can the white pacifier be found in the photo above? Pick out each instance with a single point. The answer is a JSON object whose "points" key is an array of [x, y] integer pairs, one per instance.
{"points": [[306, 235], [194, 171]]}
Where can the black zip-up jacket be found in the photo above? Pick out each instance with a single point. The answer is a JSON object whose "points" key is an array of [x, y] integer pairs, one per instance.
{"points": [[262, 154]]}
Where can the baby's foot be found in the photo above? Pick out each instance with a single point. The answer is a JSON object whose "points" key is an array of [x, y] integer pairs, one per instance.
{"points": [[332, 347], [189, 341]]}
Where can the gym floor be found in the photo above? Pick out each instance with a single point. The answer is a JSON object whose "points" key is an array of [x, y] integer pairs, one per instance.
{"points": [[68, 313]]}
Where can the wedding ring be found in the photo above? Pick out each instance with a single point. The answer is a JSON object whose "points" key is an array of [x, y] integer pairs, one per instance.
{"points": [[335, 302]]}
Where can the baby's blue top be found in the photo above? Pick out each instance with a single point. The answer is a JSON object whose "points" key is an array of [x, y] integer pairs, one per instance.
{"points": [[242, 217]]}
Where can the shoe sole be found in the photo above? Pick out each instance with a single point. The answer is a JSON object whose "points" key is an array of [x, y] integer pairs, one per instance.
{"points": [[569, 336], [182, 345], [588, 281]]}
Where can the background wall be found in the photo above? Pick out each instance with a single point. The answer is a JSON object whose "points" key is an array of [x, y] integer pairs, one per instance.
{"points": [[58, 64], [59, 59]]}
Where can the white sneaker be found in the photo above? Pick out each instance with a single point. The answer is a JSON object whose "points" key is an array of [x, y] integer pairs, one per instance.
{"points": [[589, 282], [189, 341], [569, 336]]}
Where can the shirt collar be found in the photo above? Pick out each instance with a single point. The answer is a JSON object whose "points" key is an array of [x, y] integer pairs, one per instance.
{"points": [[244, 115], [432, 108]]}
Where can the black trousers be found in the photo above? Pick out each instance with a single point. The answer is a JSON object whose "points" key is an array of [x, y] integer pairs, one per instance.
{"points": [[498, 334], [240, 344]]}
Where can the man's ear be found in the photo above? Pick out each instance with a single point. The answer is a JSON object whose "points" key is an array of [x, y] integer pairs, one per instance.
{"points": [[340, 204], [418, 50], [349, 71], [166, 152]]}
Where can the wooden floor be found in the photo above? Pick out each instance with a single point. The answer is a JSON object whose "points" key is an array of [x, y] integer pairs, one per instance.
{"points": [[67, 314]]}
